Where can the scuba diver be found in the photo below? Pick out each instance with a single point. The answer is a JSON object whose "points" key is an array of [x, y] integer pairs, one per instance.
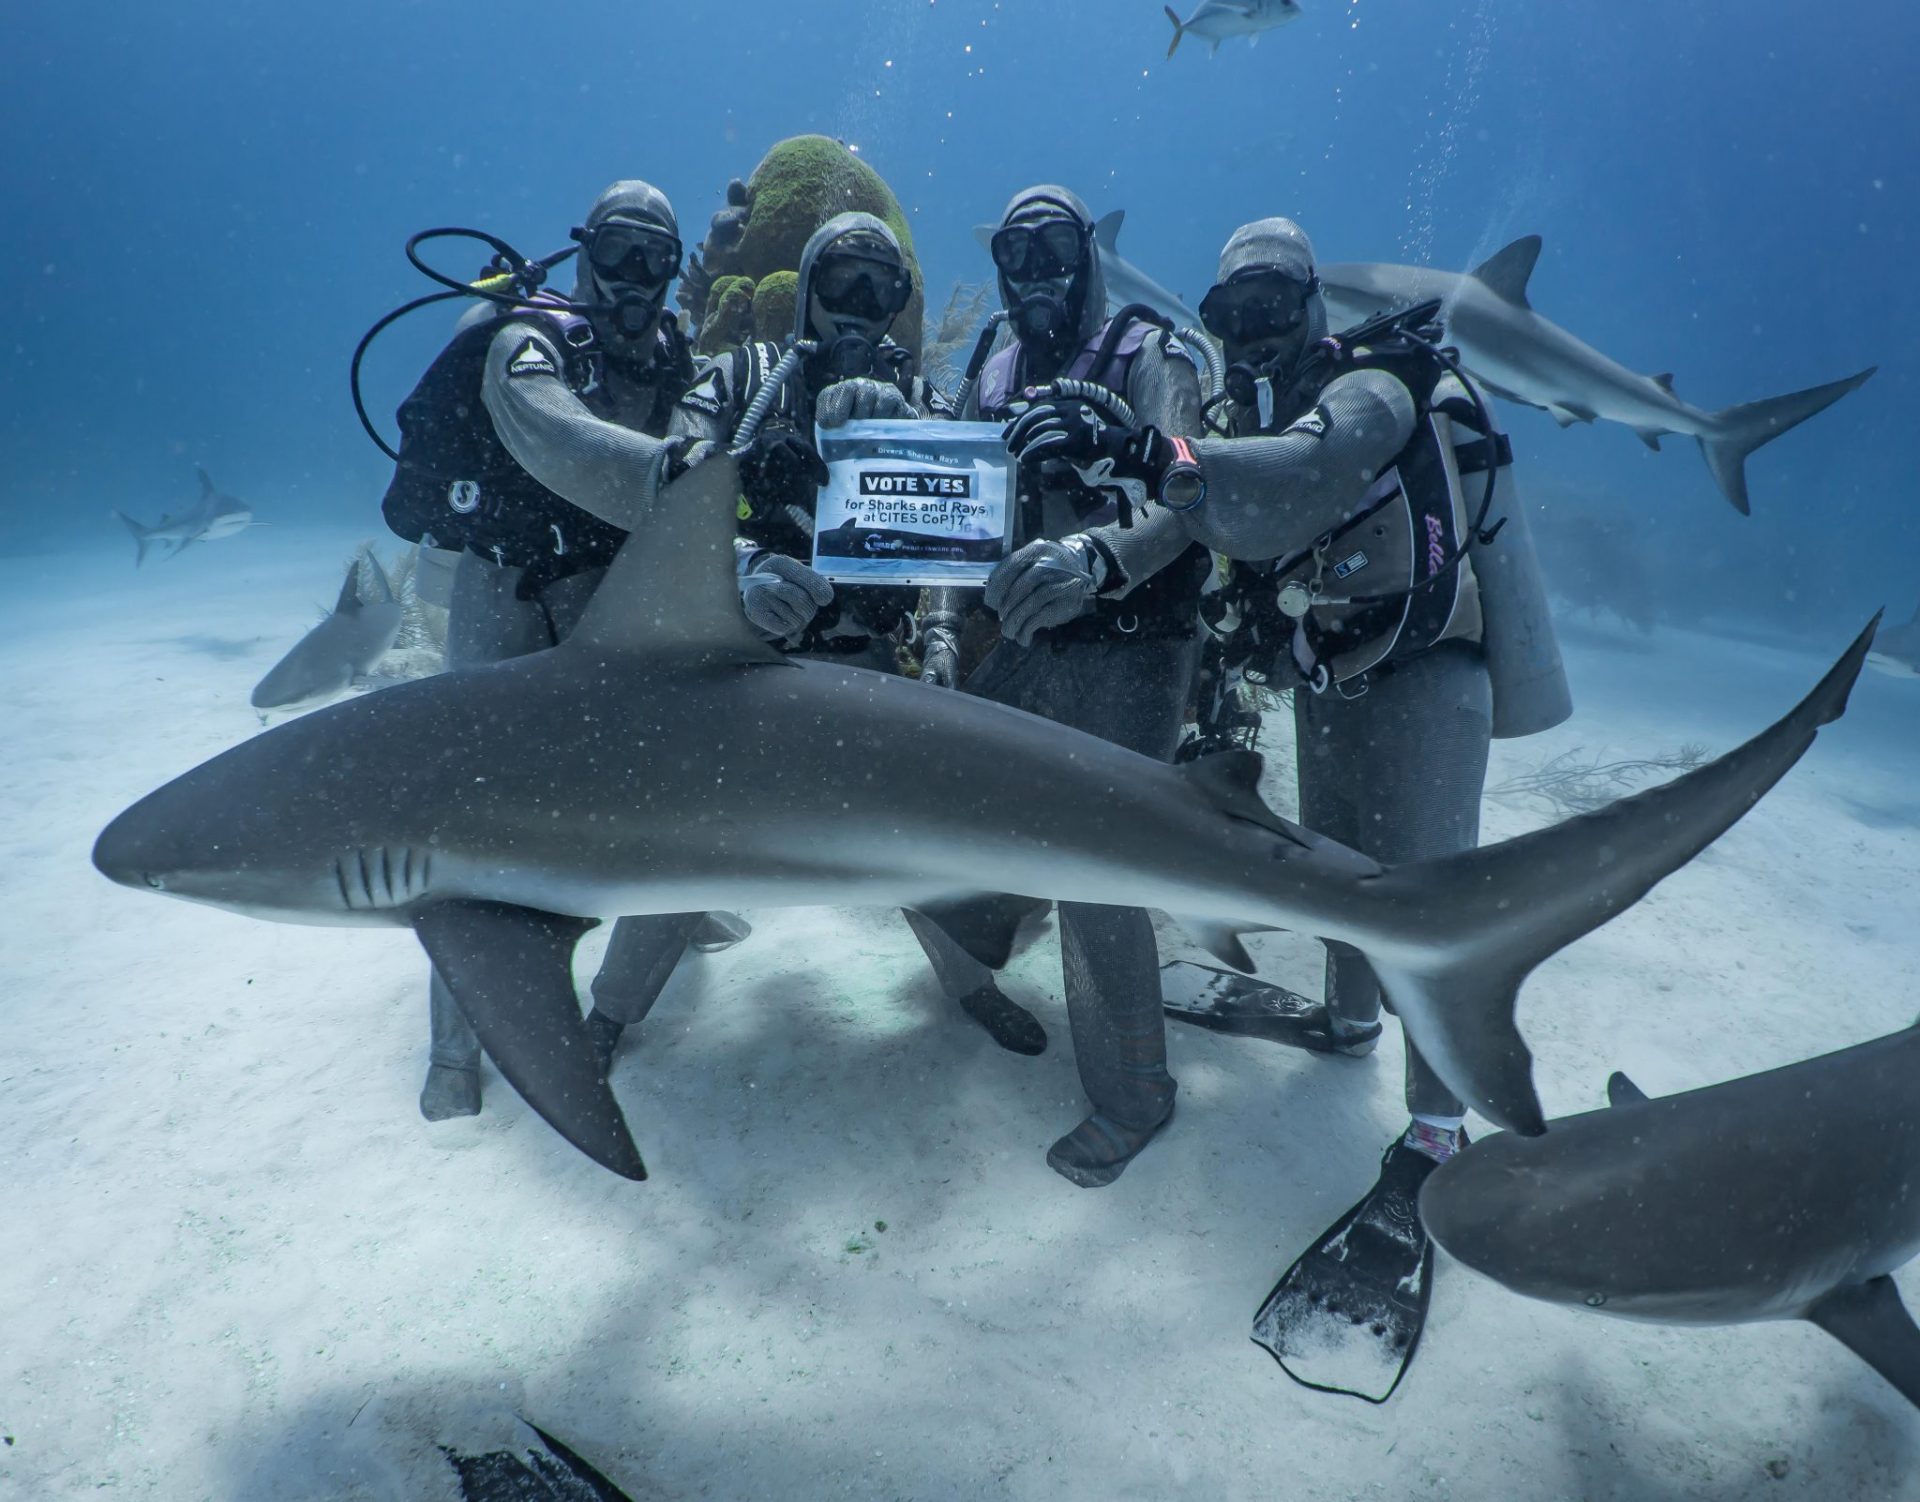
{"points": [[1353, 479], [1099, 632], [764, 402], [528, 446]]}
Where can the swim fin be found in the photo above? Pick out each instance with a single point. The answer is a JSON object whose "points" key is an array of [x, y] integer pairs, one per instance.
{"points": [[1348, 1315], [1224, 1002], [559, 1475]]}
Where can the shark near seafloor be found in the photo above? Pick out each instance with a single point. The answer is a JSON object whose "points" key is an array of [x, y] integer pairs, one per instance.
{"points": [[664, 758]]}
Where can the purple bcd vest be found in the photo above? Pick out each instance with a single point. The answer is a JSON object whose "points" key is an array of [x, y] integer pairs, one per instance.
{"points": [[996, 389]]}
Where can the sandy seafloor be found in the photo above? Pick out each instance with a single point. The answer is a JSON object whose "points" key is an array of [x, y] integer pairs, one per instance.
{"points": [[235, 1263]]}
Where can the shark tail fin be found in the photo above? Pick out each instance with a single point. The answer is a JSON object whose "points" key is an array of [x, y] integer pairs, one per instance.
{"points": [[140, 538], [1474, 925], [1179, 29], [1738, 431]]}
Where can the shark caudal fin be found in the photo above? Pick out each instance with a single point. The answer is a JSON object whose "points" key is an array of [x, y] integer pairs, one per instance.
{"points": [[1179, 29], [1471, 927], [141, 538], [1738, 431]]}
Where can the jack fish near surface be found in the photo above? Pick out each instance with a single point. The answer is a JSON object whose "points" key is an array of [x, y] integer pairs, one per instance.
{"points": [[666, 759]]}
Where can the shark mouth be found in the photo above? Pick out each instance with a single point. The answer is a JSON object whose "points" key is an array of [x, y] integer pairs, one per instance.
{"points": [[376, 878]]}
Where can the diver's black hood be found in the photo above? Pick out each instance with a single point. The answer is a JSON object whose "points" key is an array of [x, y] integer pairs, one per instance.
{"points": [[633, 202], [1087, 303], [864, 234]]}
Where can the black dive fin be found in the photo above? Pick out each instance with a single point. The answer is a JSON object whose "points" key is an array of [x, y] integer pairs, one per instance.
{"points": [[1242, 1007], [511, 971], [561, 1475], [1622, 1091], [982, 923], [1870, 1320], [1348, 1315]]}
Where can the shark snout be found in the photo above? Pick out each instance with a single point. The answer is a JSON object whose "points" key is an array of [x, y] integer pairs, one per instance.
{"points": [[124, 854]]}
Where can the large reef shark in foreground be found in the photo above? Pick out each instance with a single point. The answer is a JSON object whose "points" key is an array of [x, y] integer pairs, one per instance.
{"points": [[1785, 1195], [1517, 354], [666, 759]]}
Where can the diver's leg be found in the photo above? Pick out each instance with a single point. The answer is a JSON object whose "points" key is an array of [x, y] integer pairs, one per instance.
{"points": [[971, 985], [485, 623], [1134, 694], [453, 1059], [639, 961]]}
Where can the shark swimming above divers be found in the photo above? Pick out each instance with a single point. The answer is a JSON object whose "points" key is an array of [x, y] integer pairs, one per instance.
{"points": [[1517, 354], [665, 758], [213, 515], [355, 635], [1791, 1194]]}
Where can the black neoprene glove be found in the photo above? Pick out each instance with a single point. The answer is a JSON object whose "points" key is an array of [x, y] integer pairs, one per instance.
{"points": [[780, 469], [1131, 462]]}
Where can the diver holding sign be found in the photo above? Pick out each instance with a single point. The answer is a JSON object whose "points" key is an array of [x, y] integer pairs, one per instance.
{"points": [[840, 368]]}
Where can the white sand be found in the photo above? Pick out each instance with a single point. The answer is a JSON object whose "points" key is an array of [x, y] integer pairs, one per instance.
{"points": [[235, 1263]]}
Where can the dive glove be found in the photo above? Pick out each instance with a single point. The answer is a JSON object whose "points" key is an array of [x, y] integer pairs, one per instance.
{"points": [[780, 468], [1046, 583], [781, 595], [1136, 465], [859, 398]]}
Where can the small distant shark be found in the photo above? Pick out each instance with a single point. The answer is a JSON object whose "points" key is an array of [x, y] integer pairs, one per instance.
{"points": [[1126, 282], [1517, 354], [342, 648], [1896, 650], [213, 515], [1785, 1195], [1216, 20]]}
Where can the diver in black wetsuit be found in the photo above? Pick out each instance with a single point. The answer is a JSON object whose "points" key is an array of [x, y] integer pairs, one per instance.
{"points": [[529, 445]]}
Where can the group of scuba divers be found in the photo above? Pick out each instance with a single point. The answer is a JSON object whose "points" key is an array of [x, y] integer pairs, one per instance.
{"points": [[1328, 512]]}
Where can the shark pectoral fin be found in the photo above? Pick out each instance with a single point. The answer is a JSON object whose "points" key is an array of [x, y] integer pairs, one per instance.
{"points": [[1507, 270], [1870, 1320], [982, 923], [672, 587], [511, 971], [1650, 437], [1622, 1091], [1566, 414]]}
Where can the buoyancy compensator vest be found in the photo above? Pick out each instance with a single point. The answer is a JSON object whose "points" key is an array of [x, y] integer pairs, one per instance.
{"points": [[1395, 577], [457, 487], [1165, 604]]}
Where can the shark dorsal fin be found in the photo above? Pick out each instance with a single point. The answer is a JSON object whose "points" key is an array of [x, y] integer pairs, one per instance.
{"points": [[380, 579], [1622, 1091], [1506, 272], [984, 234], [349, 600], [1664, 381], [206, 482], [671, 588], [1106, 230]]}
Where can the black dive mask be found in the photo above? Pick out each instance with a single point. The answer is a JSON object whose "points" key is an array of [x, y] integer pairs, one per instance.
{"points": [[859, 287]]}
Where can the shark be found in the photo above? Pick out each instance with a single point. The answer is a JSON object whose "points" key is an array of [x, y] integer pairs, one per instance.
{"points": [[1896, 651], [665, 758], [1780, 1196], [213, 515], [1126, 282], [355, 634], [1517, 354], [1215, 20]]}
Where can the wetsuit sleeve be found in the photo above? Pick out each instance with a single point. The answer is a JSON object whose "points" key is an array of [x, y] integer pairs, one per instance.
{"points": [[1268, 497], [708, 409], [1164, 391], [599, 466]]}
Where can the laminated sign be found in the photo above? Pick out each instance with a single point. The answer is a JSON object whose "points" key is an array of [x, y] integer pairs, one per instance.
{"points": [[913, 502]]}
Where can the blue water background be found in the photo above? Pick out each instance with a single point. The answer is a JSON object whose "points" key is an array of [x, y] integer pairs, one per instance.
{"points": [[204, 208]]}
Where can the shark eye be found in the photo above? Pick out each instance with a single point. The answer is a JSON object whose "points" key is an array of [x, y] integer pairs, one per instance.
{"points": [[1595, 1300]]}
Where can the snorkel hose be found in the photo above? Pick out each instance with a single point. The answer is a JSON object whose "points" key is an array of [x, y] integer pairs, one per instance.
{"points": [[510, 281]]}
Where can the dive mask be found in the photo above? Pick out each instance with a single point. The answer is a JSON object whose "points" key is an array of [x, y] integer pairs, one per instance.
{"points": [[856, 287], [630, 253], [1039, 252], [1257, 304]]}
